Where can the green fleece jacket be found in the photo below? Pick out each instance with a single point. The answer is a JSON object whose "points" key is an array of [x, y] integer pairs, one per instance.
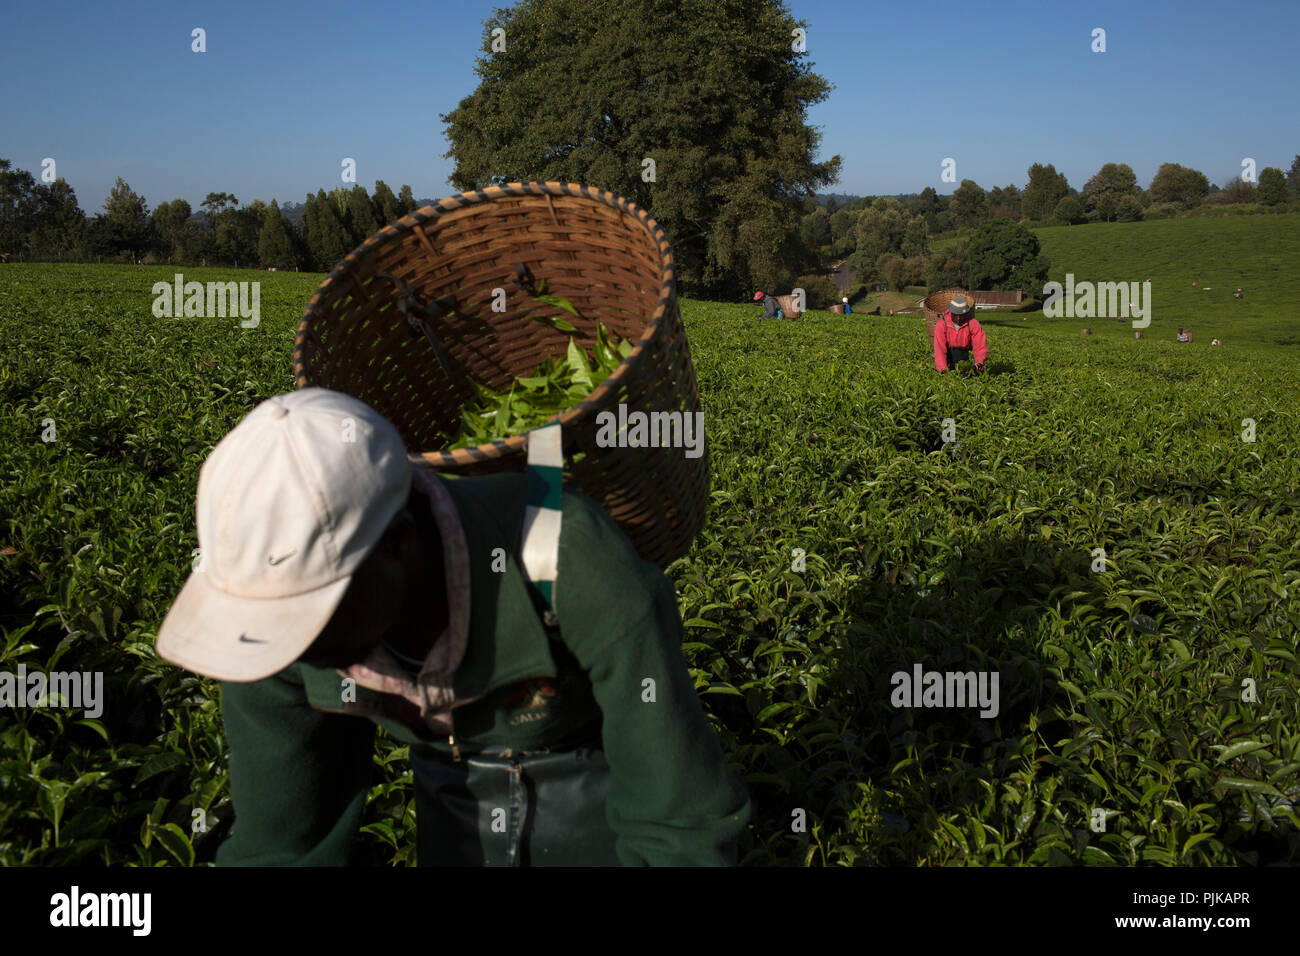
{"points": [[300, 756]]}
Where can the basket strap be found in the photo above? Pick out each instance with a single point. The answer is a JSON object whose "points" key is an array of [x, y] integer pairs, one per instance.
{"points": [[541, 538]]}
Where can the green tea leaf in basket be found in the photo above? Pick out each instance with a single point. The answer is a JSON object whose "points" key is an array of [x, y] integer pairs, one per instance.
{"points": [[554, 322], [578, 370], [609, 356], [559, 302], [555, 386], [606, 357], [503, 414]]}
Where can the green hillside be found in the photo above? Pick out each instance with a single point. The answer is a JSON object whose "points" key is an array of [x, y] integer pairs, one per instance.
{"points": [[1259, 254]]}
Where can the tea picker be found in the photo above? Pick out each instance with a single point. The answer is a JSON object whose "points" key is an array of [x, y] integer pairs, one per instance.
{"points": [[771, 307], [955, 331], [499, 610]]}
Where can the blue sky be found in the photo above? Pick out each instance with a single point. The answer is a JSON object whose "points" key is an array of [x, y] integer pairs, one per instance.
{"points": [[286, 90]]}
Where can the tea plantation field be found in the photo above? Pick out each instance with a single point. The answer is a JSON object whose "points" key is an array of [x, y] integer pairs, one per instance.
{"points": [[1148, 696]]}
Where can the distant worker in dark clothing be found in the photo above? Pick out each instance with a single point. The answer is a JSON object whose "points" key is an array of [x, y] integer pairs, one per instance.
{"points": [[771, 308], [956, 333]]}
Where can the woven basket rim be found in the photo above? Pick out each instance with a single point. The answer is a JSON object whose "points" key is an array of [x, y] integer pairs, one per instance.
{"points": [[588, 407], [945, 296]]}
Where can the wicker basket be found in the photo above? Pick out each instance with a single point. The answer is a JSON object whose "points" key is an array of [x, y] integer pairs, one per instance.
{"points": [[936, 304], [838, 309], [599, 251], [786, 302]]}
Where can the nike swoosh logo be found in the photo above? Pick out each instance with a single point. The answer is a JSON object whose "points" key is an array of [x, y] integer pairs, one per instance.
{"points": [[282, 557], [249, 640]]}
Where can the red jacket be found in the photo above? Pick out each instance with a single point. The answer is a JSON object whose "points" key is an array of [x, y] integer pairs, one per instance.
{"points": [[969, 336]]}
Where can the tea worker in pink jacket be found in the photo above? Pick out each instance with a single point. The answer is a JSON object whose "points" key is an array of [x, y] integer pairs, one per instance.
{"points": [[956, 333]]}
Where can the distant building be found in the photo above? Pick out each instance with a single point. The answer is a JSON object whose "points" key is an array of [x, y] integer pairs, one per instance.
{"points": [[997, 300]]}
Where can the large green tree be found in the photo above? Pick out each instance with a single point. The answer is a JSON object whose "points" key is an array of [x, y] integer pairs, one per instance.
{"points": [[844, 224], [916, 238], [1102, 194], [815, 238], [333, 240], [700, 121], [1178, 184], [385, 203], [1272, 186], [58, 222], [948, 268], [217, 203], [1046, 188], [361, 215], [924, 203], [1006, 255], [235, 236], [1004, 202], [38, 220], [126, 218], [405, 202], [311, 230], [881, 230], [274, 247], [970, 206], [1069, 210], [17, 202], [173, 232]]}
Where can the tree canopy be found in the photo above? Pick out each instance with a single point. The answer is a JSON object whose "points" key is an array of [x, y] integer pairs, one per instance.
{"points": [[1272, 186], [1005, 255], [1178, 184], [1044, 191], [1105, 191], [970, 206], [881, 230], [586, 93]]}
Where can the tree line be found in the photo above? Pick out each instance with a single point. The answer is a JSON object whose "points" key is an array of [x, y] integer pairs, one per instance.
{"points": [[722, 158], [888, 240], [885, 240], [40, 221]]}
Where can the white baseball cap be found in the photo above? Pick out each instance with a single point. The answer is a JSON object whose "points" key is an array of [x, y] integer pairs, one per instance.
{"points": [[290, 504]]}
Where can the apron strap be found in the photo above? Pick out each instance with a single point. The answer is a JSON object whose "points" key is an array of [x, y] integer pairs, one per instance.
{"points": [[540, 551]]}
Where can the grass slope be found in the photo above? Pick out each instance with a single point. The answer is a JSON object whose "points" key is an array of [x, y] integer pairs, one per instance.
{"points": [[1256, 253]]}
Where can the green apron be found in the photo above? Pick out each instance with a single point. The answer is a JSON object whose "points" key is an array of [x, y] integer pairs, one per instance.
{"points": [[534, 808]]}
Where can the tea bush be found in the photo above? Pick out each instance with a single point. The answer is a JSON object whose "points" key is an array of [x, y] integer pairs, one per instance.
{"points": [[846, 541]]}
